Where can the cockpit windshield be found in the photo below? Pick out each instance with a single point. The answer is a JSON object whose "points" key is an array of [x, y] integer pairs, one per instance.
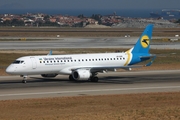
{"points": [[18, 62]]}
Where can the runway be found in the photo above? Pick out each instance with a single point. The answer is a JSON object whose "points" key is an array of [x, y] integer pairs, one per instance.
{"points": [[109, 83]]}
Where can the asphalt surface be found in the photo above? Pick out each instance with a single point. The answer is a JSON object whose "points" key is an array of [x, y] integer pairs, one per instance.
{"points": [[109, 83], [54, 43]]}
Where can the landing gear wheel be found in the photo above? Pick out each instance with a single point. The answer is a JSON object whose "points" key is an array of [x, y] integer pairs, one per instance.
{"points": [[24, 81], [94, 79]]}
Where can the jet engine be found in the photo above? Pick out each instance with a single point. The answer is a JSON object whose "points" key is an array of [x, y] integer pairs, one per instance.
{"points": [[49, 75], [81, 74]]}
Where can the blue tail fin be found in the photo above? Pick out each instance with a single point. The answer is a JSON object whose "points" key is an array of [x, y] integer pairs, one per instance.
{"points": [[143, 43]]}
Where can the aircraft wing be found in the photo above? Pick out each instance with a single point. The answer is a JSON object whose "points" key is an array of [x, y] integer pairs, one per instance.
{"points": [[112, 68], [107, 68]]}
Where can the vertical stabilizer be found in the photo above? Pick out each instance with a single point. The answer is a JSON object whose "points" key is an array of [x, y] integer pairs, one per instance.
{"points": [[143, 43]]}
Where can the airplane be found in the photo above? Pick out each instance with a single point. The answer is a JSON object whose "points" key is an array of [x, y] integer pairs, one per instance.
{"points": [[84, 66]]}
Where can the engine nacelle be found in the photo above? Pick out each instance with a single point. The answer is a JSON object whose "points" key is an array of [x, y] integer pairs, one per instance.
{"points": [[81, 74], [49, 75]]}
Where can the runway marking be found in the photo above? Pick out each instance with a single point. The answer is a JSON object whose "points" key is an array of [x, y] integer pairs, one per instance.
{"points": [[83, 91]]}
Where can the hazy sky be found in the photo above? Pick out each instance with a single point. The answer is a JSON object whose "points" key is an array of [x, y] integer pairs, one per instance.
{"points": [[94, 4]]}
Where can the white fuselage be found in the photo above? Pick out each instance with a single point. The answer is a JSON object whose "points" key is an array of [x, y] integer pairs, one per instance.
{"points": [[63, 64]]}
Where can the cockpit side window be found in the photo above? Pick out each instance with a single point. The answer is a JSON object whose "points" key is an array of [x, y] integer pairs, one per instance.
{"points": [[18, 62]]}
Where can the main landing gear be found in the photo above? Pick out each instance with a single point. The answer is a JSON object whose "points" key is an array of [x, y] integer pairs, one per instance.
{"points": [[94, 79]]}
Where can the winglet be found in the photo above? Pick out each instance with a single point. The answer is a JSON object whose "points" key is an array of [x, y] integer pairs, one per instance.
{"points": [[50, 52]]}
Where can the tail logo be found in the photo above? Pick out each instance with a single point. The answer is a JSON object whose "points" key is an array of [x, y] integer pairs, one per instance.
{"points": [[145, 41]]}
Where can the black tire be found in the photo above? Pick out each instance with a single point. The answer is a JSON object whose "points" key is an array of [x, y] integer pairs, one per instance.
{"points": [[94, 79], [24, 81]]}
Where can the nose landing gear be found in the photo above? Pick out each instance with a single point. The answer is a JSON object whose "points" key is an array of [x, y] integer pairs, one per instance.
{"points": [[24, 78]]}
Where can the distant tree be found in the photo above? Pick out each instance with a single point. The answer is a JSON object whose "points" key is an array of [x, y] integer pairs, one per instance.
{"points": [[48, 23], [81, 16], [46, 17], [96, 17], [178, 21], [6, 23], [16, 22]]}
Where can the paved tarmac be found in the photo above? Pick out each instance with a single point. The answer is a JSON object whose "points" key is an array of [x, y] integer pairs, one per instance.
{"points": [[109, 83], [54, 43]]}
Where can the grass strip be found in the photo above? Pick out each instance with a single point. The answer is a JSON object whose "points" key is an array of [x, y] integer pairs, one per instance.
{"points": [[146, 106]]}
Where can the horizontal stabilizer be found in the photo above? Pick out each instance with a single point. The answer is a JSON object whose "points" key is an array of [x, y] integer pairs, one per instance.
{"points": [[153, 58], [150, 56]]}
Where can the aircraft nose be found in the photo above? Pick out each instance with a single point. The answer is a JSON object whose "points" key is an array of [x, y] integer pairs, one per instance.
{"points": [[9, 69]]}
